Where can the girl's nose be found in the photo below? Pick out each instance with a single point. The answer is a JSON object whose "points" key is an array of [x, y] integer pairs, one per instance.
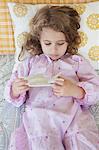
{"points": [[54, 49]]}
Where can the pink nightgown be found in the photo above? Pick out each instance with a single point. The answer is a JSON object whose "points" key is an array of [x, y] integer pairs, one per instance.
{"points": [[51, 122]]}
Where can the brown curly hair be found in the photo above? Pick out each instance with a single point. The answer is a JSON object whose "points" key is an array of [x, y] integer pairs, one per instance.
{"points": [[60, 18]]}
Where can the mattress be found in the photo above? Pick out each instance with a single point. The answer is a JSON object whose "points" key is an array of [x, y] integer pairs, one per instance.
{"points": [[10, 116]]}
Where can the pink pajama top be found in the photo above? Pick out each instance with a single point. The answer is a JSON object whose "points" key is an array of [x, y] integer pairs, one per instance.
{"points": [[42, 100], [74, 67]]}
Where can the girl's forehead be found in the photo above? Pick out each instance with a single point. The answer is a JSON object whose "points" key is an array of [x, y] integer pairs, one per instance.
{"points": [[50, 34]]}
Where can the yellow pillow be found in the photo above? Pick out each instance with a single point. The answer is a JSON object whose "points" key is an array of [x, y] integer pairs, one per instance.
{"points": [[49, 1], [6, 31]]}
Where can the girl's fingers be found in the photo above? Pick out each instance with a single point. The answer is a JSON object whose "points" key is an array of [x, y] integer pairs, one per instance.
{"points": [[57, 94], [18, 80], [24, 87], [22, 91], [21, 82], [56, 86], [59, 82], [56, 90], [59, 78]]}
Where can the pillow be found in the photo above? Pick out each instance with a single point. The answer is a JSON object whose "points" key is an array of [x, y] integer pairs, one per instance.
{"points": [[89, 31], [6, 32], [48, 1]]}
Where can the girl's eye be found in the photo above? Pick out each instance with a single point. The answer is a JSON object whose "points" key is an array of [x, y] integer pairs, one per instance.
{"points": [[56, 44], [47, 43], [60, 43]]}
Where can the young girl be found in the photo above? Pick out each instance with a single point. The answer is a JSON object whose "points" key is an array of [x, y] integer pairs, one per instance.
{"points": [[56, 117]]}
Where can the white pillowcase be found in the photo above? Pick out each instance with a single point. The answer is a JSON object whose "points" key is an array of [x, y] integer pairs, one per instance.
{"points": [[21, 15]]}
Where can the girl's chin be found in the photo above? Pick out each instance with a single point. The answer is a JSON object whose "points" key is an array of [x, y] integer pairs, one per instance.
{"points": [[54, 57]]}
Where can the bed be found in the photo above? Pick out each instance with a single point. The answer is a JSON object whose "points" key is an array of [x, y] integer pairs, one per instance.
{"points": [[10, 116]]}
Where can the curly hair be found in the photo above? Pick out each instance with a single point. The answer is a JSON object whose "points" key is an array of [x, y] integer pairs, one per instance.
{"points": [[60, 18]]}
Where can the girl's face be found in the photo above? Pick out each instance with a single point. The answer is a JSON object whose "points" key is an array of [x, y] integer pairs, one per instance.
{"points": [[53, 43]]}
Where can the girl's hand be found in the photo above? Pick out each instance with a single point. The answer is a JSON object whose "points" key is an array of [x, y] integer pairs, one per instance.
{"points": [[66, 87], [19, 86]]}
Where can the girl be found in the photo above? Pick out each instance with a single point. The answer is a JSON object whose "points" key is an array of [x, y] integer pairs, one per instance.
{"points": [[56, 117]]}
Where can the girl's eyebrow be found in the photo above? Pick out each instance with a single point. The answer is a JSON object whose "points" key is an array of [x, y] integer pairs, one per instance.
{"points": [[56, 41]]}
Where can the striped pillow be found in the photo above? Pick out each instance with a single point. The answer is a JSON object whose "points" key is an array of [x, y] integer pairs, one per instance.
{"points": [[6, 31]]}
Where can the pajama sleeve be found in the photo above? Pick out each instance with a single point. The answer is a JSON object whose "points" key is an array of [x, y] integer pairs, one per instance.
{"points": [[21, 70], [89, 81]]}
